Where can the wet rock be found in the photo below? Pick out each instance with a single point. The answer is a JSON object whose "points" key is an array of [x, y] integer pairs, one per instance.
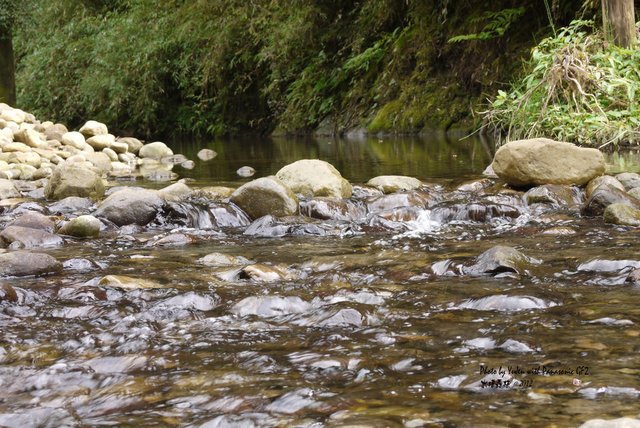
{"points": [[269, 226], [265, 196], [332, 209], [127, 282], [600, 265], [174, 240], [622, 214], [398, 200], [262, 273], [130, 206], [206, 154], [365, 192], [92, 128], [156, 150], [634, 277], [503, 302], [475, 186], [84, 226], [71, 204], [214, 193], [604, 196], [555, 194], [313, 177], [543, 161], [34, 220], [501, 259], [394, 183], [603, 180], [205, 215], [270, 306], [489, 172], [246, 171], [175, 191], [71, 180], [635, 193], [630, 180], [612, 423], [221, 260], [24, 237], [188, 164], [8, 189], [24, 263], [445, 213]]}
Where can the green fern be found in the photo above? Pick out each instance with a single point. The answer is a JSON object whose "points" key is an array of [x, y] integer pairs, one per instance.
{"points": [[498, 24]]}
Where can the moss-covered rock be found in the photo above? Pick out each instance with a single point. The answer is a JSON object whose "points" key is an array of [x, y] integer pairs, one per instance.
{"points": [[622, 214]]}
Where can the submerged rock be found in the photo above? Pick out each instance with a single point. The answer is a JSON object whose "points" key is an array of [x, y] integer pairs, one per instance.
{"points": [[24, 263], [502, 302], [604, 196], [543, 161], [313, 177], [73, 180], [84, 226], [220, 260], [415, 199], [25, 237], [501, 259], [270, 306], [622, 214], [266, 196], [127, 282], [394, 183], [262, 273], [130, 206]]}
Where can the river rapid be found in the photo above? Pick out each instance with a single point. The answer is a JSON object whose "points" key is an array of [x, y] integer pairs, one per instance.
{"points": [[380, 314]]}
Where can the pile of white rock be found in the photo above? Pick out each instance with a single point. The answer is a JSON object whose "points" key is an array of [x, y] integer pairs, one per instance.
{"points": [[32, 150]]}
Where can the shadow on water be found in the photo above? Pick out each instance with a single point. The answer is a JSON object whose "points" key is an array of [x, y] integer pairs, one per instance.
{"points": [[436, 155]]}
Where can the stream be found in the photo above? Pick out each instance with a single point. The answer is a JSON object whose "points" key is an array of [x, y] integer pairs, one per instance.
{"points": [[375, 313]]}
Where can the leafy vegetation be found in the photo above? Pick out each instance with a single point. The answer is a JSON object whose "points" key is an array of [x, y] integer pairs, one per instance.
{"points": [[214, 67], [578, 87]]}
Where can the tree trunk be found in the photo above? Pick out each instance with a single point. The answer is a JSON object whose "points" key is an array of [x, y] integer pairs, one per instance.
{"points": [[618, 20], [7, 72]]}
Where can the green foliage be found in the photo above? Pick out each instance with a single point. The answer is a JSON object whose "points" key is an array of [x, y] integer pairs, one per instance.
{"points": [[578, 88], [497, 24]]}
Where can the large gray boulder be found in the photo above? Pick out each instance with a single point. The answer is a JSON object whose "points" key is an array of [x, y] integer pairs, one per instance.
{"points": [[130, 206], [25, 263], [156, 150], [629, 180], [266, 195], [603, 180], [313, 177], [92, 128], [543, 161], [72, 180]]}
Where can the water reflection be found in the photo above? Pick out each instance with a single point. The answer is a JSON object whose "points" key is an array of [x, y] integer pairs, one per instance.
{"points": [[436, 155]]}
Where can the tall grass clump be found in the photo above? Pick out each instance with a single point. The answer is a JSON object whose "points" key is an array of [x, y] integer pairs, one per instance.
{"points": [[578, 87]]}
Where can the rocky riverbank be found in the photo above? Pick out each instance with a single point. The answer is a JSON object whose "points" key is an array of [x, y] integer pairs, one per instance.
{"points": [[59, 185]]}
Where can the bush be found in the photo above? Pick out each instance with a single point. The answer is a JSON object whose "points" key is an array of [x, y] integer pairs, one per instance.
{"points": [[578, 88]]}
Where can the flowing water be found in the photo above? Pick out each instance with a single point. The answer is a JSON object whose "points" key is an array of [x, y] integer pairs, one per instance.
{"points": [[374, 313]]}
